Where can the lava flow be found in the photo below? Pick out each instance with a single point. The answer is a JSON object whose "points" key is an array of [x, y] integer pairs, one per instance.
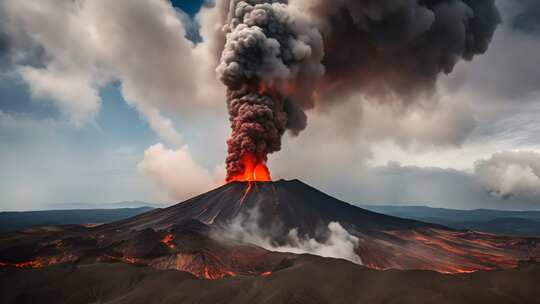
{"points": [[167, 240], [254, 171]]}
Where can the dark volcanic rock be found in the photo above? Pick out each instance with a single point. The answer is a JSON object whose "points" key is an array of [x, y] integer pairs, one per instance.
{"points": [[308, 280]]}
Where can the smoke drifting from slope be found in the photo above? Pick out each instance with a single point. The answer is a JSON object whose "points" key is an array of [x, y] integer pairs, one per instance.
{"points": [[283, 57], [337, 243]]}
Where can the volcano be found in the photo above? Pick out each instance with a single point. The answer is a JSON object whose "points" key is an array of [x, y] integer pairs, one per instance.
{"points": [[294, 204], [183, 237]]}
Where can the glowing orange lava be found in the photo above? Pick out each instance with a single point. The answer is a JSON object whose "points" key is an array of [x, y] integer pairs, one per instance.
{"points": [[254, 171], [285, 89], [209, 274], [264, 89], [168, 241], [130, 260], [28, 264]]}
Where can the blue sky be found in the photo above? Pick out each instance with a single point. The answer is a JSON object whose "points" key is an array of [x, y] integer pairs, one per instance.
{"points": [[189, 6]]}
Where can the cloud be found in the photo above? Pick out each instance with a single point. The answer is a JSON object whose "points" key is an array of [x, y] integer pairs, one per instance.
{"points": [[73, 93], [89, 44], [338, 242], [505, 78], [527, 17], [176, 172], [511, 175], [139, 44]]}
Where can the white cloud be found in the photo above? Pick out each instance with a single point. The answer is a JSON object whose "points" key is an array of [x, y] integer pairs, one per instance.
{"points": [[514, 175], [74, 94], [140, 43], [176, 172]]}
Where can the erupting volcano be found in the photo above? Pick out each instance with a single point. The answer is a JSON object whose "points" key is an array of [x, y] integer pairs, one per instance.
{"points": [[188, 236]]}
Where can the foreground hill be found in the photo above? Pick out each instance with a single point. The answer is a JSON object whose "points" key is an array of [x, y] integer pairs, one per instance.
{"points": [[306, 280]]}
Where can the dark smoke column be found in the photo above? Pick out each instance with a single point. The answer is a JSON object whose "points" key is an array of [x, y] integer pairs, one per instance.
{"points": [[272, 58]]}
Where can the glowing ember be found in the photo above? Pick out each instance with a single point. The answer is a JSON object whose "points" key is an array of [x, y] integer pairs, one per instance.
{"points": [[130, 260], [28, 264], [168, 241], [215, 274], [265, 89], [254, 171], [265, 274]]}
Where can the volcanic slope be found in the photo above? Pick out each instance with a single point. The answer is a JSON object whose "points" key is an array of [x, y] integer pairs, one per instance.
{"points": [[183, 237], [386, 242], [293, 204]]}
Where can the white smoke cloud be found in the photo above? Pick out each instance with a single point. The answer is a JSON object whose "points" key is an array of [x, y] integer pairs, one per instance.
{"points": [[73, 93], [339, 243], [176, 172], [513, 175]]}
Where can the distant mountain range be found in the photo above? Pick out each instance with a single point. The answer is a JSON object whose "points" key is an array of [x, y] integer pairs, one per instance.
{"points": [[11, 221], [117, 205], [523, 223]]}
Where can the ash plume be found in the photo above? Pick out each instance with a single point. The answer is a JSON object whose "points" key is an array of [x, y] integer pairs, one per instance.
{"points": [[395, 50], [283, 57], [272, 58]]}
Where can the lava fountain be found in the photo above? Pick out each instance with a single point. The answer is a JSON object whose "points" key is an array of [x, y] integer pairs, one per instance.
{"points": [[254, 171]]}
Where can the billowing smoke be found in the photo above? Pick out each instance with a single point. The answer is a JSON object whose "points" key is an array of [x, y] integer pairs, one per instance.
{"points": [[271, 51], [167, 167], [335, 241], [283, 57], [511, 175], [395, 49]]}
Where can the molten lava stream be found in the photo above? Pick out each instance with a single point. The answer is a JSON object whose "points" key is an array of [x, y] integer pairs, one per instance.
{"points": [[168, 241], [254, 171]]}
